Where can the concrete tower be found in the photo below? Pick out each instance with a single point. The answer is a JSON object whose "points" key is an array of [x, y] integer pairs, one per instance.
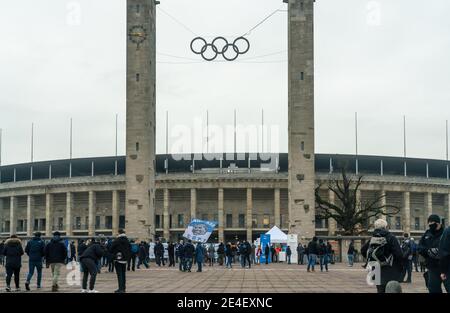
{"points": [[301, 117], [140, 141]]}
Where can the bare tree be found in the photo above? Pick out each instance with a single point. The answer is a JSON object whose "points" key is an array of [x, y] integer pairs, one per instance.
{"points": [[352, 216]]}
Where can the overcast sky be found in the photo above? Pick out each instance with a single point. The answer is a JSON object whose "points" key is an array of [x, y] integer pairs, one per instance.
{"points": [[386, 58]]}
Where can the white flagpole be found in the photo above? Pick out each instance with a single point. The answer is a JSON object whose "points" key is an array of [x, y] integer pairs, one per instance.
{"points": [[1, 130], [32, 141], [70, 139], [116, 132]]}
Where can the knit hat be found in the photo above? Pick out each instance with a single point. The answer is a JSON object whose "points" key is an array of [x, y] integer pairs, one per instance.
{"points": [[434, 218]]}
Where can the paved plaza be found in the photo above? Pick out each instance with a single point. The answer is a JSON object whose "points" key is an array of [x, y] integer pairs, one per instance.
{"points": [[280, 278]]}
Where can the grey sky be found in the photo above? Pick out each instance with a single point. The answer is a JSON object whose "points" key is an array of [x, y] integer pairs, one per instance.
{"points": [[385, 58]]}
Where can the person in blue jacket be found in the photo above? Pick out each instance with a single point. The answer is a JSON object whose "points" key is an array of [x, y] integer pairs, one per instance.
{"points": [[199, 256], [35, 249]]}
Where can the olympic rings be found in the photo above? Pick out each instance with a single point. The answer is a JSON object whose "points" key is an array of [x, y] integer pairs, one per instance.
{"points": [[221, 49]]}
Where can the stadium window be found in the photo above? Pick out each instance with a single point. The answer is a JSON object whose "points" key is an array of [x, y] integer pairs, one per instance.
{"points": [[398, 223], [122, 221], [302, 146], [229, 220], [302, 76], [170, 221], [138, 8], [43, 224], [97, 222], [36, 224], [180, 220], [108, 222], [266, 220], [137, 146], [255, 221], [60, 223], [301, 6], [241, 220], [417, 223], [137, 77], [158, 221], [78, 222]]}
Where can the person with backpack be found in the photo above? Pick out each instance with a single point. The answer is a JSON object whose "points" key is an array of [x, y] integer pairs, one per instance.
{"points": [[55, 257], [35, 249], [313, 251], [132, 259], [384, 249], [429, 249], [407, 251], [90, 259], [121, 252], [159, 253], [200, 252], [13, 252], [267, 253]]}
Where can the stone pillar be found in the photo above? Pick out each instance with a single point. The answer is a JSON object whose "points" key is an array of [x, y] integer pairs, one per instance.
{"points": [[220, 215], [406, 212], [193, 202], [332, 225], [140, 119], [115, 212], [13, 215], [249, 214], [48, 214], [277, 210], [69, 208], [91, 214], [383, 203], [428, 206], [301, 173], [166, 215], [30, 218]]}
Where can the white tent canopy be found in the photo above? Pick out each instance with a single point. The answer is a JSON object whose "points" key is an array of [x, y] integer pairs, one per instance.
{"points": [[276, 235]]}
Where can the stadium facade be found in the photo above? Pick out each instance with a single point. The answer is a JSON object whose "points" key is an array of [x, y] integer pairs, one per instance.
{"points": [[83, 197]]}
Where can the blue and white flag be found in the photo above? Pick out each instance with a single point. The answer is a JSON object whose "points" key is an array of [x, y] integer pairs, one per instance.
{"points": [[199, 230]]}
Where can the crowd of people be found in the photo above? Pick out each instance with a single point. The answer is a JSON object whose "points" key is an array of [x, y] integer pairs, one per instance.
{"points": [[397, 258]]}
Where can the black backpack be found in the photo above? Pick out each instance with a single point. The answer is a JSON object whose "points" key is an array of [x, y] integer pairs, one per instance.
{"points": [[378, 251], [406, 249]]}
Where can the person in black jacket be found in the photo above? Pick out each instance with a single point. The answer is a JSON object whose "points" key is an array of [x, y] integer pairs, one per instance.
{"points": [[35, 249], [2, 256], [171, 251], [142, 255], [429, 249], [444, 257], [188, 255], [55, 257], [13, 252], [392, 252], [121, 251], [180, 256], [90, 258], [313, 251], [220, 253], [159, 253]]}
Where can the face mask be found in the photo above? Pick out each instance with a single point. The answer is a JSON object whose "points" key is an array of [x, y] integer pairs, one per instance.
{"points": [[433, 227]]}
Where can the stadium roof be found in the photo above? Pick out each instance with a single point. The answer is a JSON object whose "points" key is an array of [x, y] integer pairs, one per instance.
{"points": [[198, 163]]}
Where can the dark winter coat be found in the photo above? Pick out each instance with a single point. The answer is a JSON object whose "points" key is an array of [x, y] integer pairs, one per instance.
{"points": [[228, 251], [221, 249], [393, 272], [94, 251], [199, 253], [35, 249], [189, 250], [313, 247], [55, 251], [171, 249], [2, 247], [13, 252], [267, 250], [180, 251], [159, 249], [429, 241], [81, 248], [121, 246], [288, 251], [142, 253], [444, 251]]}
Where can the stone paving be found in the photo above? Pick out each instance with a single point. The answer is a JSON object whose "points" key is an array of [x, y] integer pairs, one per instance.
{"points": [[259, 279]]}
